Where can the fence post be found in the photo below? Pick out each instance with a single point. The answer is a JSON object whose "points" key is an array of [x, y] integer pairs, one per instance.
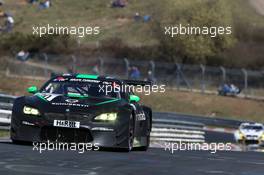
{"points": [[178, 75], [245, 81], [101, 66], [73, 64], [153, 66], [203, 79], [46, 63], [223, 74], [127, 67]]}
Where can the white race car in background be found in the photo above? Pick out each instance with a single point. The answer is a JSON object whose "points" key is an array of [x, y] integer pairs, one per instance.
{"points": [[250, 133]]}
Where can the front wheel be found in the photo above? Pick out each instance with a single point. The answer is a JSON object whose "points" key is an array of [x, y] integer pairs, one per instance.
{"points": [[131, 133]]}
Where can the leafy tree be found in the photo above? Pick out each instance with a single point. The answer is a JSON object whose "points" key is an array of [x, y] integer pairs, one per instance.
{"points": [[195, 13]]}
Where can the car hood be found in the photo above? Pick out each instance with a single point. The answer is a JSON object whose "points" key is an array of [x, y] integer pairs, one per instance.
{"points": [[251, 132], [60, 103]]}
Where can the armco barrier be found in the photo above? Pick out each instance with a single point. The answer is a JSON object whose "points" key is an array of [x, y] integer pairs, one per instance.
{"points": [[164, 130], [6, 101], [208, 121], [5, 119]]}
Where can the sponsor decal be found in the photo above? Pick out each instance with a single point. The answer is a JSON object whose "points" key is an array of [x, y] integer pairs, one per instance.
{"points": [[140, 117], [72, 100], [66, 124], [28, 123], [60, 79], [84, 80], [102, 129], [70, 104], [47, 96]]}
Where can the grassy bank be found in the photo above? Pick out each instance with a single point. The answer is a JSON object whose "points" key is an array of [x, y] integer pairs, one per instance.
{"points": [[115, 21], [206, 105], [4, 133]]}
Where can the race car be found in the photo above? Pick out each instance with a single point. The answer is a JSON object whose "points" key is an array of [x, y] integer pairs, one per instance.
{"points": [[228, 90], [83, 108], [250, 133]]}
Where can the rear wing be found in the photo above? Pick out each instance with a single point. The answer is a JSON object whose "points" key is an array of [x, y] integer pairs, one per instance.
{"points": [[138, 82]]}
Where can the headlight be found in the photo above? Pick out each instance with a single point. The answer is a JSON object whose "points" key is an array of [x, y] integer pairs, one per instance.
{"points": [[241, 135], [262, 137], [30, 111], [106, 117]]}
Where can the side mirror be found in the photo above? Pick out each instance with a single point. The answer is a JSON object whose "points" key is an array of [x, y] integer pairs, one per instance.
{"points": [[32, 89], [134, 98]]}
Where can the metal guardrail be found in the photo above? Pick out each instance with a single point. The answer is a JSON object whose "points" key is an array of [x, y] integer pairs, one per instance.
{"points": [[208, 121], [164, 130], [169, 130], [6, 101]]}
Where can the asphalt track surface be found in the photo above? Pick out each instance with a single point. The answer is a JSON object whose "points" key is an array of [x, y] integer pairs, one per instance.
{"points": [[21, 159]]}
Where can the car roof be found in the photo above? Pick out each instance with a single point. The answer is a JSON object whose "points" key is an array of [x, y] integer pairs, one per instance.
{"points": [[88, 76], [251, 124]]}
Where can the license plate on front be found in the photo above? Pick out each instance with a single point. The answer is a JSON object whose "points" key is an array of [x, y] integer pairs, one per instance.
{"points": [[66, 124]]}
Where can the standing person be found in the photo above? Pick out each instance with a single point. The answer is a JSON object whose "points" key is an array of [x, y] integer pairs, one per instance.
{"points": [[135, 73], [151, 77], [9, 23], [44, 4], [32, 1]]}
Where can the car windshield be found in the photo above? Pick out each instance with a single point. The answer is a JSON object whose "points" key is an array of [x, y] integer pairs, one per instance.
{"points": [[79, 89], [251, 127]]}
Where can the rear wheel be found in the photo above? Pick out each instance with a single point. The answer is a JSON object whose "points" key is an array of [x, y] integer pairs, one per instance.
{"points": [[145, 148]]}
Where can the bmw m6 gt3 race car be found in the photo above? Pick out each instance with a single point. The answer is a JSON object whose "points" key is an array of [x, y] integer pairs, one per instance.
{"points": [[250, 133], [76, 108]]}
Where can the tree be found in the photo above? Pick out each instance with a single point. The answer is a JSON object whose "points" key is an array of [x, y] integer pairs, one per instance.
{"points": [[198, 14]]}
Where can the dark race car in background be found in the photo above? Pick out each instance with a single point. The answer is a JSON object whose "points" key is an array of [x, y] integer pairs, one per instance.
{"points": [[75, 108]]}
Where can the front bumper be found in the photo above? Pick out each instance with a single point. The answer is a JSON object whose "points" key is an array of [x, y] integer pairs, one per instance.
{"points": [[251, 141], [42, 130]]}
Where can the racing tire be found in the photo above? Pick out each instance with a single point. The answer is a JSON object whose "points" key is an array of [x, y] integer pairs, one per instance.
{"points": [[145, 148], [130, 135], [131, 129]]}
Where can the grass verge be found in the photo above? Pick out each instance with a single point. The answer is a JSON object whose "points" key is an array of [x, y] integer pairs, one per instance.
{"points": [[4, 133]]}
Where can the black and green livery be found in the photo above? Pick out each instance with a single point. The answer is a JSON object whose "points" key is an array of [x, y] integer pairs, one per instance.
{"points": [[76, 108]]}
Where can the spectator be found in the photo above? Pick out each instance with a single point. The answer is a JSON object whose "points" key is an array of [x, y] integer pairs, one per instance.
{"points": [[22, 55], [32, 1], [119, 3], [151, 77], [137, 17], [146, 18], [135, 73], [44, 4], [1, 2], [9, 23]]}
